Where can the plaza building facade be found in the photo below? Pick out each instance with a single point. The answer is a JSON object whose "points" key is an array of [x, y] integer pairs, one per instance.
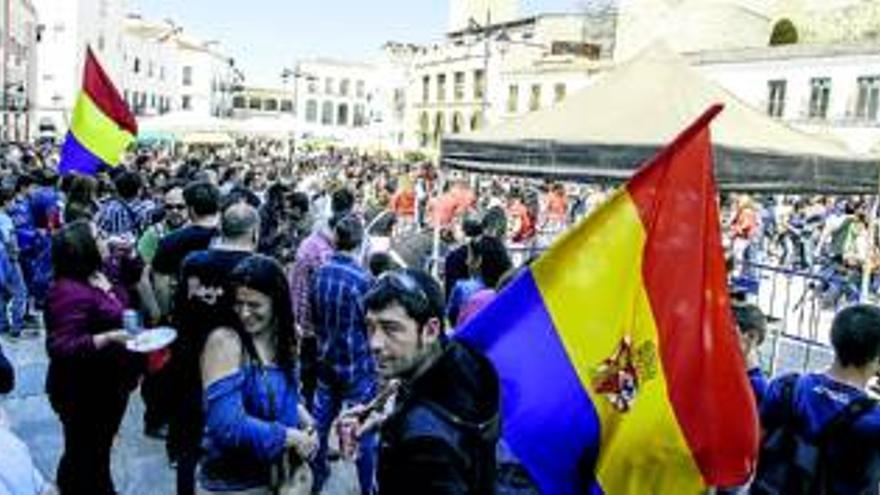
{"points": [[486, 73], [67, 27], [823, 88], [340, 100], [149, 66], [19, 29]]}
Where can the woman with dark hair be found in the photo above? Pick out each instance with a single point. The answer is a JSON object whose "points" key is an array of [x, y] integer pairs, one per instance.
{"points": [[487, 261], [82, 199], [90, 373], [253, 414], [275, 224]]}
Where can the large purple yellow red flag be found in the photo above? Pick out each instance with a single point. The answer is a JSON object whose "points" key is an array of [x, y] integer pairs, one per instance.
{"points": [[102, 126], [617, 350]]}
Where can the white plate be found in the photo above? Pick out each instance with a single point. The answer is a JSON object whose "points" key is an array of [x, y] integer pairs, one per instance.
{"points": [[152, 340]]}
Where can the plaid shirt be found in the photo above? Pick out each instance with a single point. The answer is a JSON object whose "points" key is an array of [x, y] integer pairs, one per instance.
{"points": [[313, 252], [117, 217], [340, 321]]}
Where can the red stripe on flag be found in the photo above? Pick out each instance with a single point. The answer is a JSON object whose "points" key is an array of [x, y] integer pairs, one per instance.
{"points": [[685, 277], [101, 90]]}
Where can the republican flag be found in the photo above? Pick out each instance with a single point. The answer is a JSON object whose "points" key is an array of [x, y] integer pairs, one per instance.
{"points": [[102, 126], [616, 349]]}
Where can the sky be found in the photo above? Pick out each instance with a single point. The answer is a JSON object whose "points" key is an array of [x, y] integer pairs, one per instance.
{"points": [[264, 36]]}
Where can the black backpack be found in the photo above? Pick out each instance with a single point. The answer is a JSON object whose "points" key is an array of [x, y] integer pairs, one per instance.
{"points": [[790, 463]]}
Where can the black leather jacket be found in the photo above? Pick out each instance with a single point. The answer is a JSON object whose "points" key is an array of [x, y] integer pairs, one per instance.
{"points": [[441, 437]]}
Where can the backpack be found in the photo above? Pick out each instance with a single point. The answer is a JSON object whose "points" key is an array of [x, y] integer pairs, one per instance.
{"points": [[790, 463]]}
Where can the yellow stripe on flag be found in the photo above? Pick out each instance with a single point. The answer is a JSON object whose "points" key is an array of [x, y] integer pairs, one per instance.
{"points": [[591, 282], [97, 132]]}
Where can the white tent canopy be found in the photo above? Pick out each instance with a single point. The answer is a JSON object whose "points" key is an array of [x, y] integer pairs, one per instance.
{"points": [[182, 123], [608, 129]]}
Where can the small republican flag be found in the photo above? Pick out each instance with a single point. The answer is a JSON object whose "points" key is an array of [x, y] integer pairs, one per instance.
{"points": [[102, 126]]}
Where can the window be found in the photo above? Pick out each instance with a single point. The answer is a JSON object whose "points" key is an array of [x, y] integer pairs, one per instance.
{"points": [[477, 121], [439, 126], [186, 103], [535, 100], [479, 84], [328, 86], [286, 106], [424, 129], [311, 111], [426, 89], [869, 98], [513, 98], [820, 93], [327, 113], [162, 73], [238, 102], [344, 87], [776, 99], [559, 91], [151, 69], [153, 100], [255, 104], [359, 89], [456, 123], [187, 76], [313, 86], [137, 65], [359, 115], [458, 90], [342, 115], [270, 105], [126, 97], [441, 87]]}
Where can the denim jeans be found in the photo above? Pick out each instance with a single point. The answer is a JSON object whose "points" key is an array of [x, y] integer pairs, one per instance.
{"points": [[330, 399], [13, 294]]}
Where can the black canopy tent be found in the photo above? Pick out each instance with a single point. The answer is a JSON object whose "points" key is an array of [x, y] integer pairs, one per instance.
{"points": [[604, 132]]}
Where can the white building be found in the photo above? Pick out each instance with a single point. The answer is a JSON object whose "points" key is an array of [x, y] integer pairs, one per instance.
{"points": [[18, 68], [483, 74], [67, 27], [207, 78], [252, 102], [821, 88], [149, 82], [340, 100]]}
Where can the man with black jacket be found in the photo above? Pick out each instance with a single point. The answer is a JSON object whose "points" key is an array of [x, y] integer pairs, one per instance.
{"points": [[441, 435]]}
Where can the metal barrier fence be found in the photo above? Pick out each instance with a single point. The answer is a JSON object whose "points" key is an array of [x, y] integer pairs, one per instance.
{"points": [[800, 306]]}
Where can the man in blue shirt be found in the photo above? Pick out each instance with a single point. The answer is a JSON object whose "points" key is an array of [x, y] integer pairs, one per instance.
{"points": [[347, 371], [850, 457]]}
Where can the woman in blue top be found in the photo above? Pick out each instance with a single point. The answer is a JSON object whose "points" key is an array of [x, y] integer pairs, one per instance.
{"points": [[253, 415]]}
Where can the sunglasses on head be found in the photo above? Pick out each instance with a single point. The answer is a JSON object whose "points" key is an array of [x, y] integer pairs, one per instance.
{"points": [[402, 282]]}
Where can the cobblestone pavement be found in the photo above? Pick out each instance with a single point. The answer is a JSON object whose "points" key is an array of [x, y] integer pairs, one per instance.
{"points": [[139, 464]]}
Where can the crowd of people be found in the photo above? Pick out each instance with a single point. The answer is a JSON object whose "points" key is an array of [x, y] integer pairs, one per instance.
{"points": [[311, 331]]}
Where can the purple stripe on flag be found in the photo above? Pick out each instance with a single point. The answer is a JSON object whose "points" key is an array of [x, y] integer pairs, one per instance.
{"points": [[75, 158]]}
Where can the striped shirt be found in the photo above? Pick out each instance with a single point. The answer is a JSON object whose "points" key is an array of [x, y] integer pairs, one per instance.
{"points": [[340, 321]]}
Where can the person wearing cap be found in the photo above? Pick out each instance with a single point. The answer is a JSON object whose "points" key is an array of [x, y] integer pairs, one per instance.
{"points": [[346, 369], [752, 326]]}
